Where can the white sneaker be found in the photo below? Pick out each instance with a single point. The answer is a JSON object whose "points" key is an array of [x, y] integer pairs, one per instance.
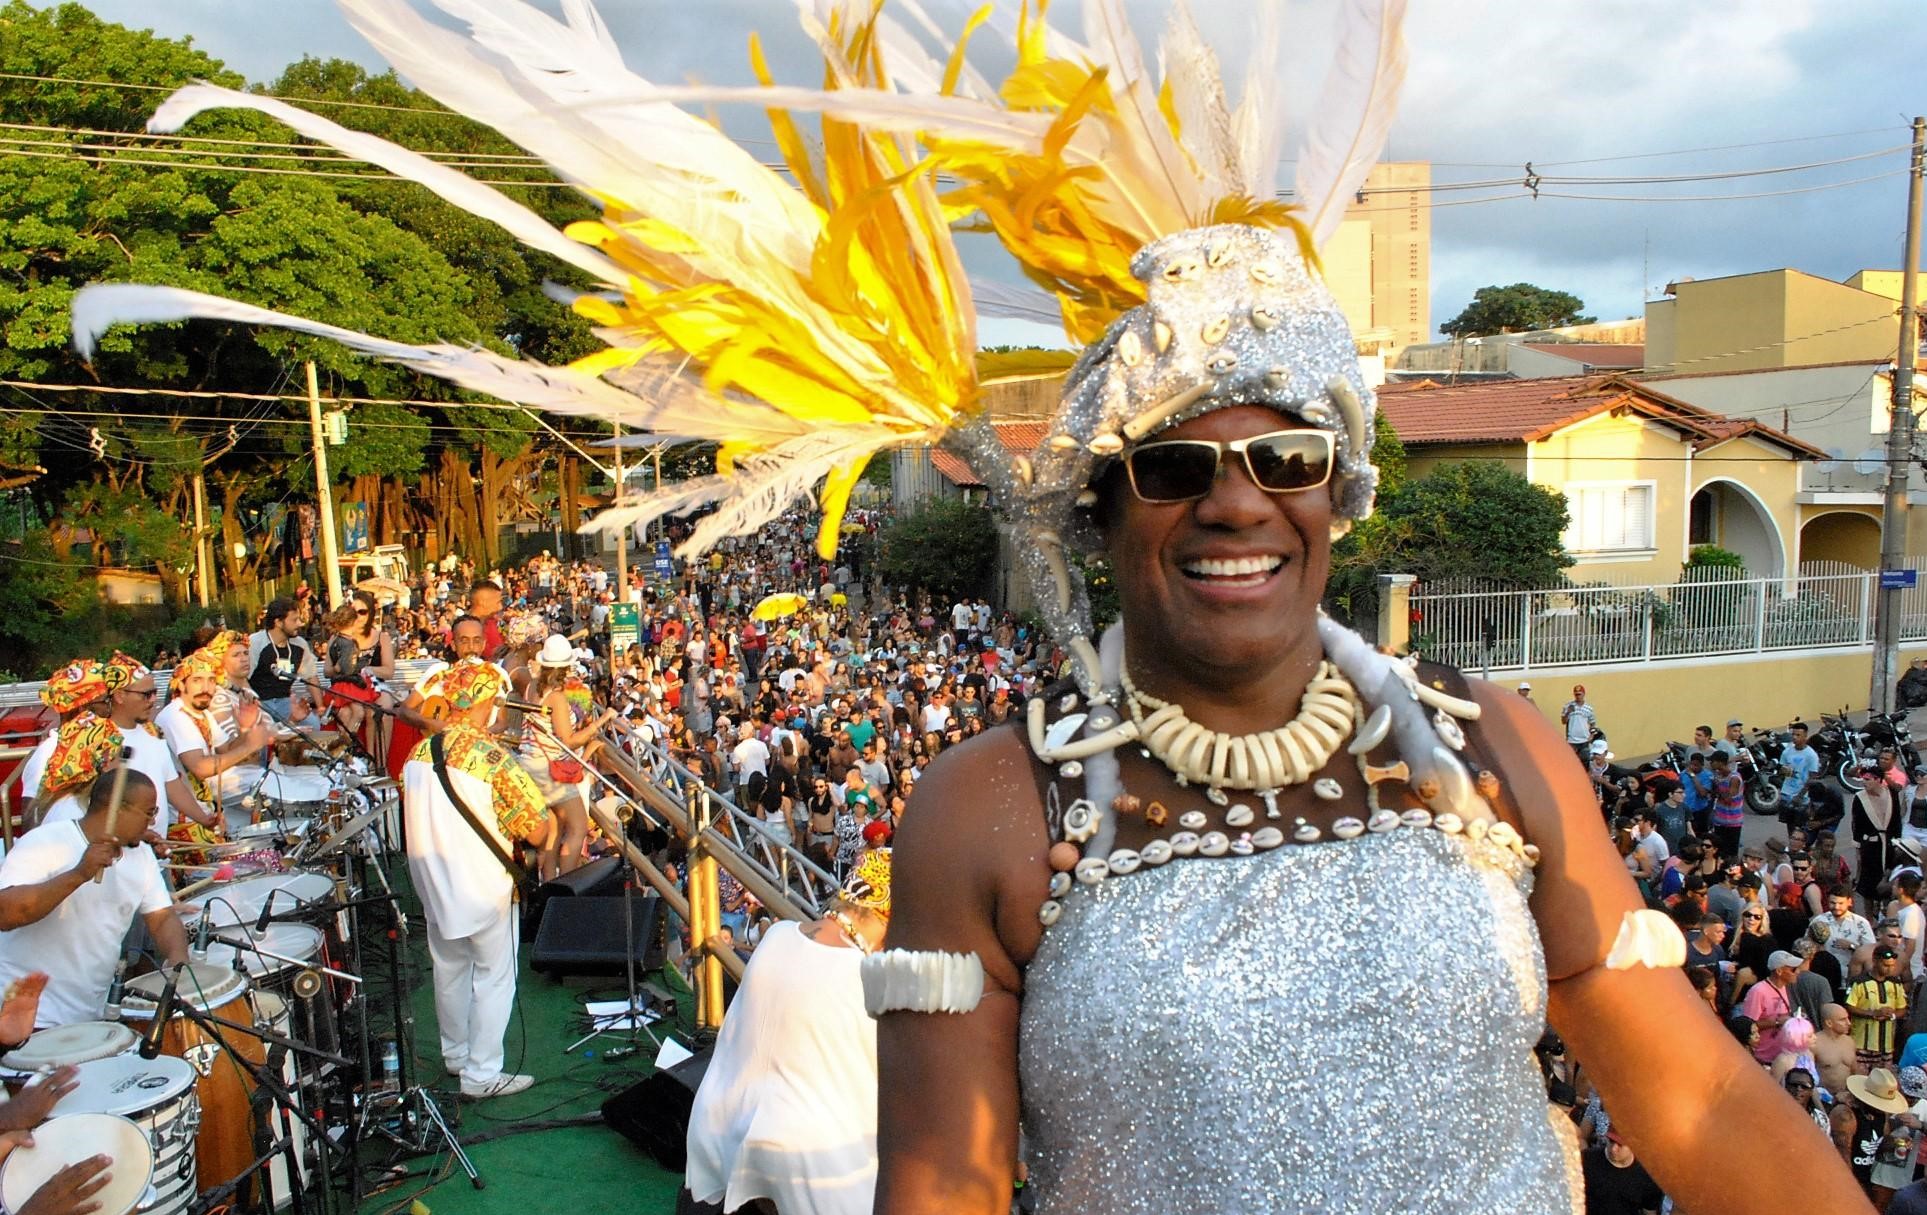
{"points": [[453, 1069], [502, 1086]]}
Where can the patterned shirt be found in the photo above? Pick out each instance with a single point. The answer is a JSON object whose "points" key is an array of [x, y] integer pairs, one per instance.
{"points": [[520, 809]]}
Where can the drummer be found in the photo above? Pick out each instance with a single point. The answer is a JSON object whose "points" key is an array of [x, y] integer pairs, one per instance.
{"points": [[70, 890], [80, 685], [467, 894], [219, 755], [131, 708]]}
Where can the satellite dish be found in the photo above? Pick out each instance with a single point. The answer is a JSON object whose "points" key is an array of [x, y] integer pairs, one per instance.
{"points": [[1870, 461], [1828, 468]]}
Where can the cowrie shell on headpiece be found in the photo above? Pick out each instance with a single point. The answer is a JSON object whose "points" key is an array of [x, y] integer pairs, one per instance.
{"points": [[1316, 411], [1062, 442], [1221, 364], [1306, 834], [1048, 913], [1156, 852], [1265, 316], [1070, 769], [1124, 860], [1184, 843], [1216, 796], [1239, 815], [1503, 834], [1192, 820], [1242, 846], [1449, 823], [1214, 843], [1130, 348], [1180, 268], [1382, 821], [1278, 377], [1215, 329], [1476, 829], [1092, 870], [1216, 252], [1327, 788], [1161, 335], [1418, 816], [1106, 444], [1348, 828], [1060, 885], [1267, 271], [1267, 837]]}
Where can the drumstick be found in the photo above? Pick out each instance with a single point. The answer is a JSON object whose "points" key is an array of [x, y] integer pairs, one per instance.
{"points": [[220, 875], [113, 813]]}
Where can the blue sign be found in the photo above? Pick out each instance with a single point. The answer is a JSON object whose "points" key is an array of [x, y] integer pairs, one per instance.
{"points": [[1898, 580], [665, 568]]}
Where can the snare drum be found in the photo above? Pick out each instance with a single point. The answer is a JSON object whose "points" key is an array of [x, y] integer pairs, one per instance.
{"points": [[241, 902], [226, 1144], [271, 830], [156, 1095], [81, 1042], [260, 955]]}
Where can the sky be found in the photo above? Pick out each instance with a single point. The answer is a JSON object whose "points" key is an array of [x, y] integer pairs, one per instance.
{"points": [[1722, 87]]}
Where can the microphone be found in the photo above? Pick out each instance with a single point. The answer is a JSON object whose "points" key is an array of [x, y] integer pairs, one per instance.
{"points": [[199, 948], [267, 911], [163, 1012]]}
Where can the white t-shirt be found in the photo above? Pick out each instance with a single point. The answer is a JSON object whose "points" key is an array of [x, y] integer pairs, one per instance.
{"points": [[184, 737], [750, 756], [960, 616], [34, 767], [462, 885], [151, 758], [1912, 922], [78, 943], [1654, 846]]}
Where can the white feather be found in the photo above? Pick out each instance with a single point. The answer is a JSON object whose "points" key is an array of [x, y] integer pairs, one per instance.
{"points": [[1258, 124], [1349, 125], [672, 408], [1017, 302], [456, 188], [1190, 70], [1113, 44]]}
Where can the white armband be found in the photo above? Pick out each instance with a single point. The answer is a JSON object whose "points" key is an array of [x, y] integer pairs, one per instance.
{"points": [[1647, 938], [921, 980]]}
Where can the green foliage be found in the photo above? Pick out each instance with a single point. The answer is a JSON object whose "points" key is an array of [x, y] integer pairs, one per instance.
{"points": [[1106, 606], [1710, 560], [1478, 519], [130, 529], [1519, 308], [947, 545], [45, 601]]}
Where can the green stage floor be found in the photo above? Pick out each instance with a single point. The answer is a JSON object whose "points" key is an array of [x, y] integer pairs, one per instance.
{"points": [[570, 1170]]}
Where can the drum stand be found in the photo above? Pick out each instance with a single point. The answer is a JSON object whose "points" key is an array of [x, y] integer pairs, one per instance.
{"points": [[267, 1079]]}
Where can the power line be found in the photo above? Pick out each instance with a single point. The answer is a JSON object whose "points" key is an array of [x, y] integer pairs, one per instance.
{"points": [[508, 158], [1666, 198]]}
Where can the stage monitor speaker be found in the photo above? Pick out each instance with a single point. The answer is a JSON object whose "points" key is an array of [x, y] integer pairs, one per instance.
{"points": [[654, 1115], [599, 878], [584, 936]]}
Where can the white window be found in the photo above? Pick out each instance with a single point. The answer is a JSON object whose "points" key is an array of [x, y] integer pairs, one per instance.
{"points": [[1610, 516]]}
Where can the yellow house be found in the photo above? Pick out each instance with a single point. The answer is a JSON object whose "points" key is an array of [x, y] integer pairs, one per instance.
{"points": [[1645, 477]]}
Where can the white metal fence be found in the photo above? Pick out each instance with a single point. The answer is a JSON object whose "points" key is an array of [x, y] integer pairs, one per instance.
{"points": [[1590, 625]]}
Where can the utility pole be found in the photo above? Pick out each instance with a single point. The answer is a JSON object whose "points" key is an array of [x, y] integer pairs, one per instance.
{"points": [[622, 533], [201, 592], [1900, 445], [324, 496]]}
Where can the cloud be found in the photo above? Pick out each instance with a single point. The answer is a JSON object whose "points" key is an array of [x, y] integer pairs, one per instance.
{"points": [[1493, 84]]}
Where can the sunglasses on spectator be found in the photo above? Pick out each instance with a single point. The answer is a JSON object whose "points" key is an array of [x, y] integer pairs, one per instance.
{"points": [[1184, 470]]}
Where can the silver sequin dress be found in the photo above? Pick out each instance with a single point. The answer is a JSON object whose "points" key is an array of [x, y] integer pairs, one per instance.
{"points": [[1343, 1027]]}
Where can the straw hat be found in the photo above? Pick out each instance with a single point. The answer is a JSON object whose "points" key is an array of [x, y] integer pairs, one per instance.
{"points": [[1879, 1090]]}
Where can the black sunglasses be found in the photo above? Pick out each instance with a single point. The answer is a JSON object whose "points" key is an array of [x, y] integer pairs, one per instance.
{"points": [[1184, 470]]}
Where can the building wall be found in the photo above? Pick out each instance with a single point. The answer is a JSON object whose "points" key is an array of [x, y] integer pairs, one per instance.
{"points": [[1642, 707], [1775, 318], [1770, 484], [1832, 407], [1848, 534], [1400, 219], [1612, 449], [1347, 259], [1878, 282]]}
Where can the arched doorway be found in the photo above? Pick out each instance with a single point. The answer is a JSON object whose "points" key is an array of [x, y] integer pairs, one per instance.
{"points": [[1846, 537], [1727, 514]]}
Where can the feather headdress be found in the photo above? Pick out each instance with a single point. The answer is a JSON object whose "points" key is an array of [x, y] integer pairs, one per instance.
{"points": [[804, 326]]}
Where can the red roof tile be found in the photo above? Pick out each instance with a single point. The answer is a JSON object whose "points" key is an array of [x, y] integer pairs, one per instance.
{"points": [[1593, 354], [1017, 437]]}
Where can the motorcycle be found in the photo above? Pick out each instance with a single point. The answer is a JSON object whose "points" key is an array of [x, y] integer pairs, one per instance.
{"points": [[1660, 774], [1842, 749], [1890, 732], [1758, 765]]}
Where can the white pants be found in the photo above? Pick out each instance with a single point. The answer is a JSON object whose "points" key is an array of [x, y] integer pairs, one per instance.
{"points": [[474, 994]]}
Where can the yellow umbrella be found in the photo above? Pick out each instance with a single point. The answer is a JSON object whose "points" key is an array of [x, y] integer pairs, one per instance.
{"points": [[775, 607]]}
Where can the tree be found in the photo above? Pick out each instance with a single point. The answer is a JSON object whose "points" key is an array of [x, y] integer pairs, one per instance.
{"points": [[1519, 308], [947, 545], [1476, 519]]}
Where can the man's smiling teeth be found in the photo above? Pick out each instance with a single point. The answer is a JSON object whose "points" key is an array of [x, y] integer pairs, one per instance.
{"points": [[1213, 567]]}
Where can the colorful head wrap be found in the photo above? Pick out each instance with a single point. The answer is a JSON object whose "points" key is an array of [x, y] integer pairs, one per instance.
{"points": [[869, 883], [470, 683], [75, 686], [83, 749], [199, 663], [124, 670], [217, 647], [524, 628]]}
